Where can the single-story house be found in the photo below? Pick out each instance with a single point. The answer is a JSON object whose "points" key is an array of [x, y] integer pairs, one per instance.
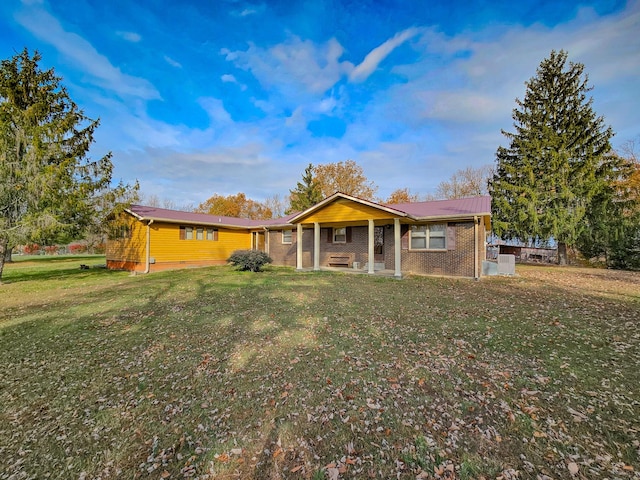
{"points": [[444, 237]]}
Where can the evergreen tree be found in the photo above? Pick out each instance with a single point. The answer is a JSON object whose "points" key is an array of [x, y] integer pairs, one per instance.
{"points": [[546, 177], [306, 194], [612, 221], [49, 188]]}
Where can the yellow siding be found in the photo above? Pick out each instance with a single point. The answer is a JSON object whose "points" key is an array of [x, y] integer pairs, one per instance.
{"points": [[131, 249], [344, 210], [166, 245]]}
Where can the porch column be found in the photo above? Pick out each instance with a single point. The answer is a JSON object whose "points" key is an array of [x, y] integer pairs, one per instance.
{"points": [[299, 247], [397, 251], [316, 246], [371, 246]]}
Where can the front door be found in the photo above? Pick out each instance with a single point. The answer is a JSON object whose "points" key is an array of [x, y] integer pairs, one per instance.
{"points": [[258, 241], [378, 244]]}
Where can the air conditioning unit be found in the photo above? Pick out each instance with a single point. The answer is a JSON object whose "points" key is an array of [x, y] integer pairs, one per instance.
{"points": [[506, 264]]}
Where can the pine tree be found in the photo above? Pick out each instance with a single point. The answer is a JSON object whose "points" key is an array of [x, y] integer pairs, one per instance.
{"points": [[547, 176], [306, 194], [49, 188]]}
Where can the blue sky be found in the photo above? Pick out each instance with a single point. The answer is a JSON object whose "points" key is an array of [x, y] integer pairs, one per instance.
{"points": [[201, 97]]}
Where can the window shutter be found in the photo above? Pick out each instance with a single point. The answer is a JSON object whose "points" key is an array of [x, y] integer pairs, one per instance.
{"points": [[329, 235], [404, 242], [451, 236], [215, 234], [182, 233], [348, 234]]}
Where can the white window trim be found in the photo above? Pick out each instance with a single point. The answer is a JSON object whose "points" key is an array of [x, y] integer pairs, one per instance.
{"points": [[427, 235], [188, 233], [290, 241], [341, 234]]}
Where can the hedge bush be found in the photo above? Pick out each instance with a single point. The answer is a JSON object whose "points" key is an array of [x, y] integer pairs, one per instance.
{"points": [[252, 260]]}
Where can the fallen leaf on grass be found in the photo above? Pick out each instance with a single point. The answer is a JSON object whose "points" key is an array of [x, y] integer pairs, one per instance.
{"points": [[573, 468], [333, 473]]}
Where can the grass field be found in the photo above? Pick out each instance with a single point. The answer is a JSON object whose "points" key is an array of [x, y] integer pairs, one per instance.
{"points": [[212, 373]]}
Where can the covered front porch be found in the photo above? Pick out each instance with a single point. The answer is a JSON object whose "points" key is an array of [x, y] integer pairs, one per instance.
{"points": [[366, 246]]}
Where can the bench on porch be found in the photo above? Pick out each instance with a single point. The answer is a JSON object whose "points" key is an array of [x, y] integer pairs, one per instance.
{"points": [[339, 261]]}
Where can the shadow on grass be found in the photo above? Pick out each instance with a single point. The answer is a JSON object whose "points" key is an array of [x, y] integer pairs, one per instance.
{"points": [[72, 271], [22, 259]]}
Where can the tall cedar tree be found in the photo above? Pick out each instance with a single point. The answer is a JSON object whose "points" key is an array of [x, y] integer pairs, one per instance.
{"points": [[306, 194], [556, 161], [48, 186]]}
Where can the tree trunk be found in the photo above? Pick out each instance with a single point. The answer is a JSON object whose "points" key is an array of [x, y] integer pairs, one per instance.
{"points": [[562, 253], [3, 254], [8, 255]]}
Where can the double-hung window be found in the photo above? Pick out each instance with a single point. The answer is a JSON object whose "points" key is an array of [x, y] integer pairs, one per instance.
{"points": [[212, 234], [340, 235], [287, 236], [429, 237]]}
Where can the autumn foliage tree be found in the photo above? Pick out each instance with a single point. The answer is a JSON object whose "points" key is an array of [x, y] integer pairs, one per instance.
{"points": [[402, 195], [346, 177], [238, 206]]}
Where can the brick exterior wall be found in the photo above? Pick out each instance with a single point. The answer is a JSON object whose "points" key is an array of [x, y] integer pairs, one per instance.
{"points": [[458, 262], [282, 254], [455, 262]]}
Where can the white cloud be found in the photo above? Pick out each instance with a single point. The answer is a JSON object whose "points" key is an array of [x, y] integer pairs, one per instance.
{"points": [[361, 72], [77, 50], [215, 110], [298, 64], [172, 62], [129, 36], [228, 78]]}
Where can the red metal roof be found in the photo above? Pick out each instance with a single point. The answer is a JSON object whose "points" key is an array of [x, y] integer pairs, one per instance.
{"points": [[446, 208], [462, 207], [153, 213]]}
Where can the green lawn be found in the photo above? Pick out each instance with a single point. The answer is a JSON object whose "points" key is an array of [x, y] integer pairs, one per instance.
{"points": [[212, 373]]}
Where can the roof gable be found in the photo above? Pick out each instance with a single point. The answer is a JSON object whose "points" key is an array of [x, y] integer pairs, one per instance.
{"points": [[340, 204]]}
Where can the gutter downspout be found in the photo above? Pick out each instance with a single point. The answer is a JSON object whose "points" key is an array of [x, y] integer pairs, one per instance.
{"points": [[476, 221], [266, 240], [148, 252]]}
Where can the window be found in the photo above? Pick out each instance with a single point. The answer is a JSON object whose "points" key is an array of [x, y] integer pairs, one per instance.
{"points": [[212, 234], [199, 234], [340, 235], [120, 232], [186, 233], [429, 237], [287, 236]]}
